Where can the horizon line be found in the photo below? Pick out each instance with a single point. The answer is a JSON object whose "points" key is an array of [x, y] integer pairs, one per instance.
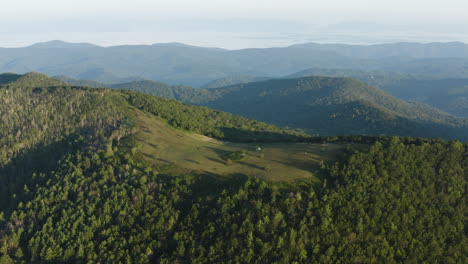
{"points": [[175, 43]]}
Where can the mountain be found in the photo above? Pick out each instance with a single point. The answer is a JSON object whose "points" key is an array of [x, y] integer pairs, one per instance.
{"points": [[449, 95], [179, 64], [38, 110], [79, 82], [29, 80], [333, 106], [319, 105], [92, 175], [58, 44], [383, 80], [177, 92], [445, 94], [455, 102], [8, 78], [231, 80], [401, 50], [428, 68]]}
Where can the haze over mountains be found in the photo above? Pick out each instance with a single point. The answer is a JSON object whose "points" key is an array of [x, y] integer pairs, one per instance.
{"points": [[176, 63], [283, 132]]}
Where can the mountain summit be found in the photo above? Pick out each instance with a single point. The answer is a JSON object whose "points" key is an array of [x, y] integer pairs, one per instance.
{"points": [[58, 44]]}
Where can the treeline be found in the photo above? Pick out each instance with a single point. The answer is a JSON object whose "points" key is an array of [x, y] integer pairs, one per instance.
{"points": [[394, 203], [208, 122]]}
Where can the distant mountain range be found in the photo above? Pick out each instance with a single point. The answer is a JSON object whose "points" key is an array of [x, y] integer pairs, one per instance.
{"points": [[449, 95], [176, 63]]}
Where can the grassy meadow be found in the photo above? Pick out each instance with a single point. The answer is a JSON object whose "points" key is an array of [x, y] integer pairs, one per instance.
{"points": [[171, 148]]}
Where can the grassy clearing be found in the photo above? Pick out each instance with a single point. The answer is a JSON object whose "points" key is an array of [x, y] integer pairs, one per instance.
{"points": [[165, 146]]}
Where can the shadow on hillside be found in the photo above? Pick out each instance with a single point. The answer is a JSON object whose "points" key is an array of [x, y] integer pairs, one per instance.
{"points": [[248, 136], [219, 152], [310, 166], [216, 160], [6, 78], [250, 165], [42, 158]]}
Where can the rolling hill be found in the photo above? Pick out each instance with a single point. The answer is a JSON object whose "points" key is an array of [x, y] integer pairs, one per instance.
{"points": [[399, 50], [334, 106], [231, 80], [448, 95], [92, 175], [80, 82], [319, 105]]}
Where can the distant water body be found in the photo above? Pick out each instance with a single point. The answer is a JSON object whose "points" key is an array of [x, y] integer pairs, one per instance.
{"points": [[227, 40]]}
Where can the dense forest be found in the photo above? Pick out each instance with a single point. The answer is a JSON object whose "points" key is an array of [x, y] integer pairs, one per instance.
{"points": [[394, 203], [449, 95], [76, 189]]}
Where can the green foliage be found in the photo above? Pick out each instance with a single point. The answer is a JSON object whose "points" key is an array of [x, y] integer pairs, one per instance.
{"points": [[235, 156], [394, 203], [449, 95], [177, 92], [334, 106], [38, 127], [326, 106], [212, 123], [32, 112], [81, 193], [232, 80], [82, 83]]}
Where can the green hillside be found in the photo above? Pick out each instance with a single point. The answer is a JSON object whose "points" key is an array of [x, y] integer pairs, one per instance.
{"points": [[448, 95], [456, 104], [319, 105], [177, 92], [78, 82], [117, 176], [38, 110], [232, 80], [208, 122], [334, 106]]}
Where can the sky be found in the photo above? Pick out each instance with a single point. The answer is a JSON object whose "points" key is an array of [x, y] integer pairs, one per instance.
{"points": [[232, 23]]}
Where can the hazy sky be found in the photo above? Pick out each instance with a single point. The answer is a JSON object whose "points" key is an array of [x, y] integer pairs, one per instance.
{"points": [[245, 22]]}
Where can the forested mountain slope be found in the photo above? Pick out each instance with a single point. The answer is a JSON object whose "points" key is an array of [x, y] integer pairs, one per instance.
{"points": [[448, 95], [78, 82], [76, 187], [320, 105], [334, 106], [232, 80], [38, 110], [177, 92]]}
